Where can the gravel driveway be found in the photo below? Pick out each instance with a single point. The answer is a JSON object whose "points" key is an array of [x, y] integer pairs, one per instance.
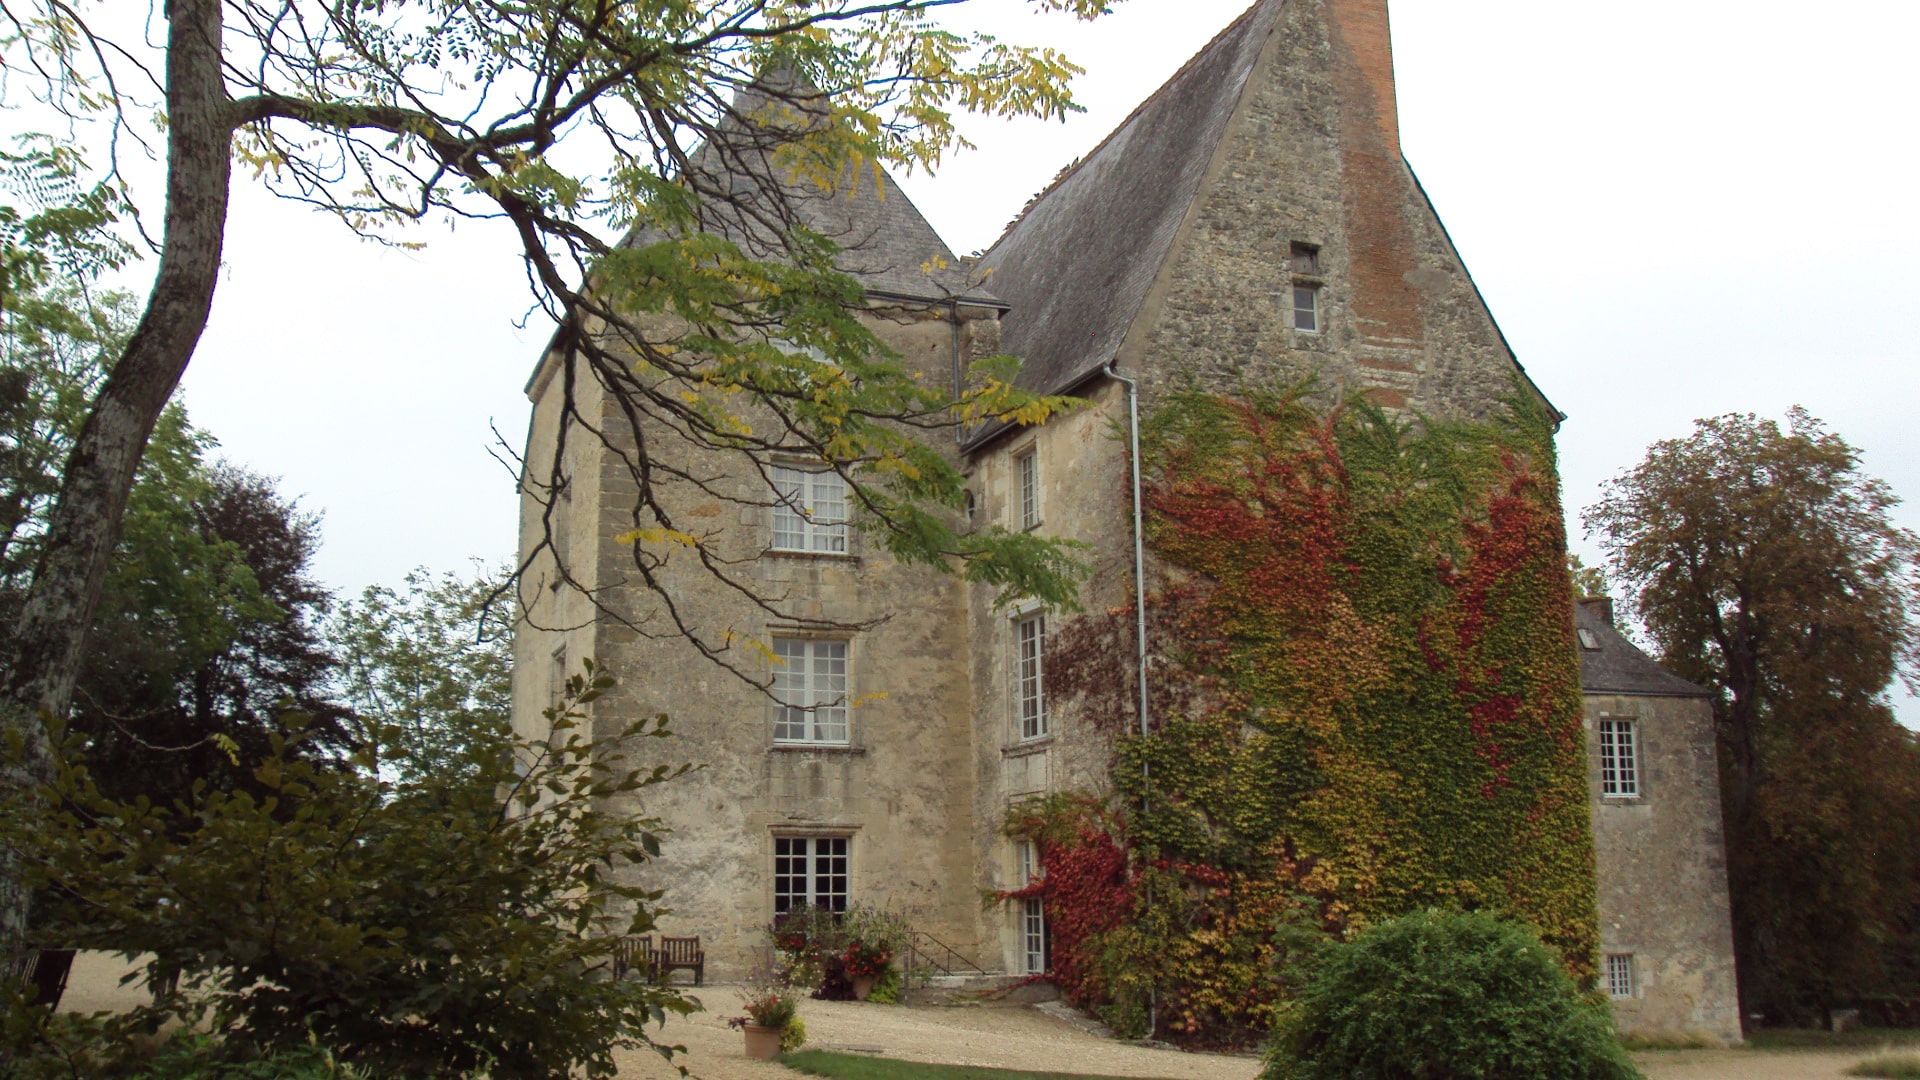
{"points": [[1014, 1038], [1011, 1038], [1017, 1038]]}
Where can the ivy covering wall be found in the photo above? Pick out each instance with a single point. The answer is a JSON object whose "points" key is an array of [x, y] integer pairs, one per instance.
{"points": [[1366, 701]]}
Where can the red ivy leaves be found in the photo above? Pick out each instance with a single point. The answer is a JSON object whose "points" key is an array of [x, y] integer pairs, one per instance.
{"points": [[1401, 631]]}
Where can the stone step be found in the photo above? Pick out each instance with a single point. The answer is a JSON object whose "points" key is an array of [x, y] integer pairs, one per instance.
{"points": [[989, 989]]}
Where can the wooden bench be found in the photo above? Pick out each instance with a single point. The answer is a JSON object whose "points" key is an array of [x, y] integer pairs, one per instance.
{"points": [[680, 954], [633, 954], [46, 971]]}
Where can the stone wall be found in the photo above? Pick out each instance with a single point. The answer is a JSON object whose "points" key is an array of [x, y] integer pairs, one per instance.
{"points": [[902, 791], [1661, 863], [1084, 497]]}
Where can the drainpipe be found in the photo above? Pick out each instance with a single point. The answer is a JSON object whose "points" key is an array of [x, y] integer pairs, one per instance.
{"points": [[959, 369], [1139, 608], [1139, 611], [1139, 536]]}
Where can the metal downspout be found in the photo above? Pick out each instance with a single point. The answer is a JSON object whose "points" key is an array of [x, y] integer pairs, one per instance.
{"points": [[1139, 536], [959, 369], [1139, 612]]}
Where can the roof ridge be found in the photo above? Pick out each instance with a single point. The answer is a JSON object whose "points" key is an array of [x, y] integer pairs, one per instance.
{"points": [[1074, 166]]}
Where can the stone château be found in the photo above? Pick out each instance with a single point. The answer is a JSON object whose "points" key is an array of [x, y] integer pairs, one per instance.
{"points": [[1252, 219]]}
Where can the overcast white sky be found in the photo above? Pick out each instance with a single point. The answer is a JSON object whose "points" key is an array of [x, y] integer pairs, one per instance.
{"points": [[1676, 208]]}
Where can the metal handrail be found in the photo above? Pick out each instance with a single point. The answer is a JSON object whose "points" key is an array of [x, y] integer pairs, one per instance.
{"points": [[921, 944]]}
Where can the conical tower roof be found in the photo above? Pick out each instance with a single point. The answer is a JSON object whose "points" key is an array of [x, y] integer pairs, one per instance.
{"points": [[885, 242]]}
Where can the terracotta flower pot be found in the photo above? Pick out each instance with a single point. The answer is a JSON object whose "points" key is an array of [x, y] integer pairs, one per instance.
{"points": [[762, 1042], [863, 985]]}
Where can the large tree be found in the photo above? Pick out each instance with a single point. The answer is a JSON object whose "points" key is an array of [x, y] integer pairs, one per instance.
{"points": [[429, 666], [207, 627], [209, 631], [1765, 565], [576, 123]]}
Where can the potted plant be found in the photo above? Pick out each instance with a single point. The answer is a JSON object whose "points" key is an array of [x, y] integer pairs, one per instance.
{"points": [[770, 1023], [864, 964]]}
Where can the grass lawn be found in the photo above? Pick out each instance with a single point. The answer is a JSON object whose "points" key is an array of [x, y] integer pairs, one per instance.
{"points": [[1892, 1066], [862, 1067], [1814, 1039]]}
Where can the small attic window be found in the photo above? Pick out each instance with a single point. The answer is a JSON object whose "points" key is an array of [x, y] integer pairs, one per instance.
{"points": [[1587, 640], [1304, 258]]}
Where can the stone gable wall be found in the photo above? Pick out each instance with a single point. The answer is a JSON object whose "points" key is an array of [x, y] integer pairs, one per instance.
{"points": [[1312, 157]]}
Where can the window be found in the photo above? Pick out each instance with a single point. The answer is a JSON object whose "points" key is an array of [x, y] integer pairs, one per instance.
{"points": [[1033, 934], [1619, 976], [1027, 482], [1030, 692], [558, 674], [811, 514], [1306, 308], [1305, 258], [1619, 760], [1033, 914], [559, 526], [810, 682], [1587, 640], [809, 871]]}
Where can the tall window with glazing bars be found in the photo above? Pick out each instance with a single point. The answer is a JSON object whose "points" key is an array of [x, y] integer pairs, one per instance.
{"points": [[1030, 690], [810, 683], [1619, 760], [809, 511]]}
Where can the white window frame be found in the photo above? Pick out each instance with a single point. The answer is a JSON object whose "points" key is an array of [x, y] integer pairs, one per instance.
{"points": [[1619, 758], [1030, 677], [811, 871], [1621, 982], [813, 683], [1033, 913], [1026, 487], [1033, 935], [809, 510], [1312, 311]]}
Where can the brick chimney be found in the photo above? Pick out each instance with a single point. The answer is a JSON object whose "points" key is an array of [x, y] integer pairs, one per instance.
{"points": [[1599, 605], [1375, 186], [1365, 50]]}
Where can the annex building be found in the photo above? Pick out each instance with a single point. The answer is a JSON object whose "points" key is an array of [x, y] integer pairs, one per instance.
{"points": [[1253, 218]]}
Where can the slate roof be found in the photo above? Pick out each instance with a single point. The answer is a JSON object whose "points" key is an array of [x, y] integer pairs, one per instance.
{"points": [[1617, 666], [1077, 264], [884, 240]]}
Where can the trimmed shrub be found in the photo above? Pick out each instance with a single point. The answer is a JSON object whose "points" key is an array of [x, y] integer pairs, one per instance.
{"points": [[1445, 996]]}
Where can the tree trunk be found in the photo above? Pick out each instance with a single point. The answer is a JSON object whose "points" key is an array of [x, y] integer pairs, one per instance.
{"points": [[51, 638]]}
